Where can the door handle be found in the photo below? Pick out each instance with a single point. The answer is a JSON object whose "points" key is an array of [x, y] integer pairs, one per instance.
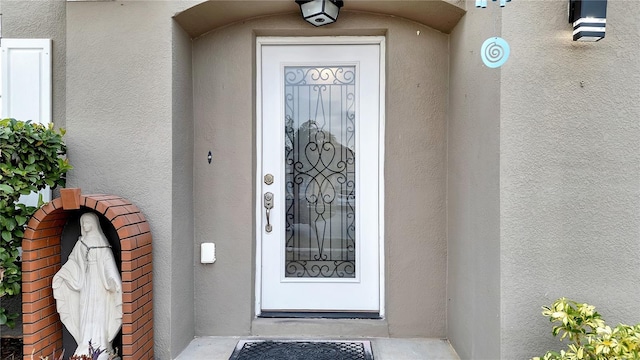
{"points": [[268, 205]]}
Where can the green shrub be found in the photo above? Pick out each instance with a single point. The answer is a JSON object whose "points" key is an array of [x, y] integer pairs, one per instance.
{"points": [[31, 158], [590, 338]]}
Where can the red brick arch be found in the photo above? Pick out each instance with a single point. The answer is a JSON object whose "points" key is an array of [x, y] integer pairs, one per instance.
{"points": [[41, 248]]}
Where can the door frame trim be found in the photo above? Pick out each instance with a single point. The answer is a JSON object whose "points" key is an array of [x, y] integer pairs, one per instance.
{"points": [[317, 40]]}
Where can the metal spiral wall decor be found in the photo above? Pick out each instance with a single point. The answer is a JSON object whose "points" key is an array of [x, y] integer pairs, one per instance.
{"points": [[494, 52], [320, 138]]}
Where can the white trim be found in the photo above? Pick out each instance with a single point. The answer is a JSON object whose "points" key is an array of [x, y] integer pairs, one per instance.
{"points": [[589, 20], [27, 89], [589, 29], [18, 107], [319, 40], [333, 40], [381, 152], [258, 179]]}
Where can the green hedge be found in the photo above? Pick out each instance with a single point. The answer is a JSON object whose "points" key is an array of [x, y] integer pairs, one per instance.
{"points": [[32, 157]]}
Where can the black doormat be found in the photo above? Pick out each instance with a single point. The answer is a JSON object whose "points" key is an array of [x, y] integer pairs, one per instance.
{"points": [[302, 350]]}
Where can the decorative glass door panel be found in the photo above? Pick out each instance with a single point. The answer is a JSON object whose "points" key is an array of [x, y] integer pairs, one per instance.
{"points": [[318, 214], [320, 172]]}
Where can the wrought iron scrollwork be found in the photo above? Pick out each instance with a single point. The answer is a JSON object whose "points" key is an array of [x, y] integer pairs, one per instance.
{"points": [[320, 171]]}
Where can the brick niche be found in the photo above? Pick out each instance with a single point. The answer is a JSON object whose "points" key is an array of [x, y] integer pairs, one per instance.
{"points": [[41, 259]]}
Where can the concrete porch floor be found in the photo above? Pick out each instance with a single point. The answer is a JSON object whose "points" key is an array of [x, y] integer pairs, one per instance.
{"points": [[220, 348]]}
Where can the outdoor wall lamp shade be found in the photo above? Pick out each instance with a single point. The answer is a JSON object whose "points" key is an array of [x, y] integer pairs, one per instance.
{"points": [[320, 12], [589, 18]]}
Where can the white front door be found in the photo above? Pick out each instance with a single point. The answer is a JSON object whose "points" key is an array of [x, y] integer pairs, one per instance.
{"points": [[319, 169]]}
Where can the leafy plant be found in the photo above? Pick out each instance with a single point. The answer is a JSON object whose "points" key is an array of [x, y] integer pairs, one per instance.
{"points": [[7, 318], [31, 158], [589, 336]]}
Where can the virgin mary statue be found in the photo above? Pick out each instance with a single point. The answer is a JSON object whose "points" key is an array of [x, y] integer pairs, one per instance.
{"points": [[88, 290]]}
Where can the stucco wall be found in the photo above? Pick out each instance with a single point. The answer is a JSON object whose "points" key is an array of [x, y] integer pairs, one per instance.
{"points": [[570, 170], [417, 68], [44, 19], [473, 207], [121, 119], [182, 220], [223, 119], [564, 196]]}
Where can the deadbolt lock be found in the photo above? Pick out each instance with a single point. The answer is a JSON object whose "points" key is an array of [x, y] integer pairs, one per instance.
{"points": [[268, 179]]}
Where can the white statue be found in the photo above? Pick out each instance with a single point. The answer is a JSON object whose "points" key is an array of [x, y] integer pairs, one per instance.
{"points": [[88, 290]]}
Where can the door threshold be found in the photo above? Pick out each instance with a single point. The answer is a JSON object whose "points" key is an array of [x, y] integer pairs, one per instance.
{"points": [[319, 327], [320, 314]]}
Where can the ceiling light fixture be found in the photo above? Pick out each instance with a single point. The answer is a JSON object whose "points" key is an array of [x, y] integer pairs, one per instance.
{"points": [[320, 12]]}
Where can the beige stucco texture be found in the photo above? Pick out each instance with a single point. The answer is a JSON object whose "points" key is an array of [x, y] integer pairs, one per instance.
{"points": [[127, 134], [415, 244], [504, 188], [473, 186], [569, 170]]}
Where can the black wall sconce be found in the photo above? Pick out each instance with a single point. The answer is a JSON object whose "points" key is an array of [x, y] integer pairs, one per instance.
{"points": [[320, 12], [589, 18]]}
